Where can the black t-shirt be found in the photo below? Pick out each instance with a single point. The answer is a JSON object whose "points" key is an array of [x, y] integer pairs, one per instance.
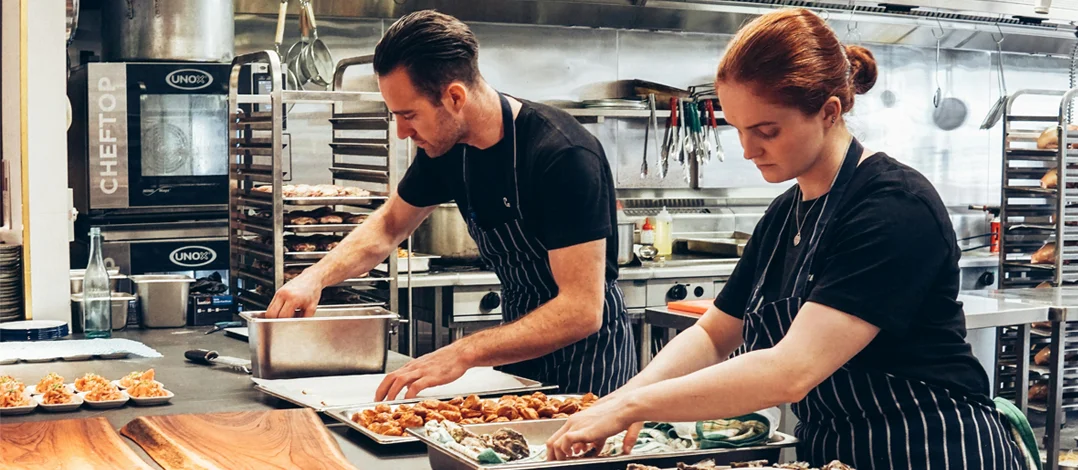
{"points": [[889, 256], [562, 178]]}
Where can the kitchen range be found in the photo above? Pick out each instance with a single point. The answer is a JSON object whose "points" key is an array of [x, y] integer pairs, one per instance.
{"points": [[245, 177]]}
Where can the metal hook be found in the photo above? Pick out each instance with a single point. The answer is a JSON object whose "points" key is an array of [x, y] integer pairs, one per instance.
{"points": [[999, 42], [826, 14], [942, 33]]}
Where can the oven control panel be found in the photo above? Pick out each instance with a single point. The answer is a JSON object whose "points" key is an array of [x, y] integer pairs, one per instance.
{"points": [[477, 304], [662, 291]]}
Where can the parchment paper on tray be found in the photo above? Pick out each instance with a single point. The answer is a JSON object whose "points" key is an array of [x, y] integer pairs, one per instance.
{"points": [[321, 393]]}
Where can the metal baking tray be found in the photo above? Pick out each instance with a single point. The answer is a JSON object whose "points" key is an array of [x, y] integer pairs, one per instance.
{"points": [[305, 255], [732, 246], [537, 432], [344, 415], [359, 201], [335, 341], [320, 228], [324, 393]]}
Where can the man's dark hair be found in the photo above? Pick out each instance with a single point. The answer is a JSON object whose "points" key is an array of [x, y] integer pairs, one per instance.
{"points": [[435, 50]]}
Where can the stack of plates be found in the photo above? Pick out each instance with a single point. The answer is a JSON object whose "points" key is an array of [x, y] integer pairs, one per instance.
{"points": [[11, 301], [33, 330]]}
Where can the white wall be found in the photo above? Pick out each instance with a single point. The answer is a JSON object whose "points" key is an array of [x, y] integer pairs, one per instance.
{"points": [[45, 174], [11, 228]]}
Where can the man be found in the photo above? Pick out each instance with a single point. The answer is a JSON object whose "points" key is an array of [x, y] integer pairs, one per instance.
{"points": [[537, 193]]}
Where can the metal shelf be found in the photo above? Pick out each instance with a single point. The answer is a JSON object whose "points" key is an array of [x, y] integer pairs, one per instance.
{"points": [[321, 228]]}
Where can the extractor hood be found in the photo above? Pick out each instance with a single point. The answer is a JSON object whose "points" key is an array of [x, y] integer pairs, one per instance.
{"points": [[966, 24]]}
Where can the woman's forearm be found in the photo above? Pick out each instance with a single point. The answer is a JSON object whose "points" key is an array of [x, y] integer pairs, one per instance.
{"points": [[746, 383], [688, 352]]}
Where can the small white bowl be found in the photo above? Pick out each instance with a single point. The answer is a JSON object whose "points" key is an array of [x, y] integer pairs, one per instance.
{"points": [[108, 404], [19, 410], [76, 402], [33, 389], [153, 400]]}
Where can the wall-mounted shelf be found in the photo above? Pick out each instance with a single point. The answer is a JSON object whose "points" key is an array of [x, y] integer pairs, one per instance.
{"points": [[598, 115]]}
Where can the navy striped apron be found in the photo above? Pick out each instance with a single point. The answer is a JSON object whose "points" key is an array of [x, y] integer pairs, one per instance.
{"points": [[867, 418], [600, 363]]}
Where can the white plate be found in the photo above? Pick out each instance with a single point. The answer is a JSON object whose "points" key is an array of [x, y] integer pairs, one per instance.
{"points": [[41, 359], [109, 404], [78, 357], [76, 402], [19, 410], [33, 389], [32, 324], [119, 355], [153, 400]]}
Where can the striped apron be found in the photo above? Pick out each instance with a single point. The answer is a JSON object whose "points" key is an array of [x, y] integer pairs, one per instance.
{"points": [[600, 363], [868, 418]]}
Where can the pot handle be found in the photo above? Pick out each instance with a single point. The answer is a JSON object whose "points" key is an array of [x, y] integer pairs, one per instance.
{"points": [[130, 9], [279, 37]]}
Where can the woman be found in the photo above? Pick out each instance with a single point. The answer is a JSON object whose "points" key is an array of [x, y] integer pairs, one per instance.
{"points": [[844, 300]]}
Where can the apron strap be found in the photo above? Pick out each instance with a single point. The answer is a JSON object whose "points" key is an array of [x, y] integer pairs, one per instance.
{"points": [[830, 205]]}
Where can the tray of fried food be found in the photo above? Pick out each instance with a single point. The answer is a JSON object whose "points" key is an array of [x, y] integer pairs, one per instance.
{"points": [[385, 422]]}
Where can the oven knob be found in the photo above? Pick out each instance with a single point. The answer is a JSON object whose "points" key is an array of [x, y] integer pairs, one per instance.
{"points": [[698, 291], [988, 278], [490, 302], [678, 292]]}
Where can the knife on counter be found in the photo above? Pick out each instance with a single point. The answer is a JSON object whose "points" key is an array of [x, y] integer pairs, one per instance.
{"points": [[209, 358]]}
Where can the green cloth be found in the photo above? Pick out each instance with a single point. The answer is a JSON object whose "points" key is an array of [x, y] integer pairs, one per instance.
{"points": [[1022, 432], [743, 431], [489, 457]]}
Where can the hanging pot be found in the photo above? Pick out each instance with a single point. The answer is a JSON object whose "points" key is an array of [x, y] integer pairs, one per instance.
{"points": [[189, 30]]}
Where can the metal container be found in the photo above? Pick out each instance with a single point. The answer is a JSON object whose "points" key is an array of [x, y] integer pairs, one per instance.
{"points": [[445, 233], [163, 299], [120, 303], [114, 279], [189, 30], [625, 243], [335, 341], [537, 432]]}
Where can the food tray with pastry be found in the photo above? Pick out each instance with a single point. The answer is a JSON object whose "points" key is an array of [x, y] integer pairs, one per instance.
{"points": [[321, 195], [385, 423], [521, 445], [59, 397], [144, 390]]}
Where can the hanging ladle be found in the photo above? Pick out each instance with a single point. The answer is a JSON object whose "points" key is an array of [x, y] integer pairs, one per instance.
{"points": [[938, 96], [996, 113]]}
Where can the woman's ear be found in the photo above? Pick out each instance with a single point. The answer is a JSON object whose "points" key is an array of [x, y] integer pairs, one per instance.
{"points": [[831, 111]]}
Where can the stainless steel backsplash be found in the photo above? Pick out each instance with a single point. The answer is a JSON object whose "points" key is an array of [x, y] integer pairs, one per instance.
{"points": [[546, 63]]}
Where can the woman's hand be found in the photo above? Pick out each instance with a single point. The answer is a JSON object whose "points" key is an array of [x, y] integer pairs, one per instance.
{"points": [[590, 428]]}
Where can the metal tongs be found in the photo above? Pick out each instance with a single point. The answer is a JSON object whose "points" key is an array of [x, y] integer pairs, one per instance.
{"points": [[651, 133], [713, 131], [672, 140]]}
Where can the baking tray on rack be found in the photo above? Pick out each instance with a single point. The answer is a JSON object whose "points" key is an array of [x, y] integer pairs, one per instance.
{"points": [[320, 228], [537, 433], [344, 415], [360, 201], [323, 393]]}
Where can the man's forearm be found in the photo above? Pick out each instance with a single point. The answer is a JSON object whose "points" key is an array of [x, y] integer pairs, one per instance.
{"points": [[548, 328], [358, 253]]}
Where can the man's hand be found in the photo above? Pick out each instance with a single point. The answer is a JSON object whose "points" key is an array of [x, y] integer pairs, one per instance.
{"points": [[437, 368], [298, 298]]}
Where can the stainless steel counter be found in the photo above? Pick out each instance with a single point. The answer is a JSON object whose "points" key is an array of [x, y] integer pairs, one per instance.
{"points": [[718, 268], [203, 389]]}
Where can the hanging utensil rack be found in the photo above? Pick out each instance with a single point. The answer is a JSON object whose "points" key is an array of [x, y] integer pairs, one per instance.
{"points": [[256, 142]]}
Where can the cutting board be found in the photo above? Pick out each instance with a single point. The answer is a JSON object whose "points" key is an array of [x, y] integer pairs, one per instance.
{"points": [[67, 443], [283, 439], [691, 306]]}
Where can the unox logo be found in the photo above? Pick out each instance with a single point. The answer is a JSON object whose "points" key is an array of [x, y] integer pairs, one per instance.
{"points": [[189, 79], [192, 256]]}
